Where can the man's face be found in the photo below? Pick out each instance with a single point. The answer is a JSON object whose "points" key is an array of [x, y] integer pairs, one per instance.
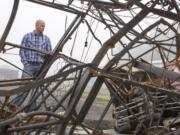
{"points": [[40, 26]]}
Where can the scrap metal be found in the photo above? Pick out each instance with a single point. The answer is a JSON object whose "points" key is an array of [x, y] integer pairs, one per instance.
{"points": [[143, 96]]}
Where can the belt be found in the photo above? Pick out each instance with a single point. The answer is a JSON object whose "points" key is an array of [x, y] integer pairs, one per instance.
{"points": [[32, 62]]}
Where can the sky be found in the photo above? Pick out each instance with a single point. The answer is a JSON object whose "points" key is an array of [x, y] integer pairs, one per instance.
{"points": [[24, 22], [25, 19], [56, 23]]}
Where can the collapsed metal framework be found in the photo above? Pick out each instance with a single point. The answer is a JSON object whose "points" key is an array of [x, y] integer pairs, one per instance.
{"points": [[144, 100]]}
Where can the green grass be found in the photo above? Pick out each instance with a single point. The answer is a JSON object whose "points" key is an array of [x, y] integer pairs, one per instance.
{"points": [[100, 98]]}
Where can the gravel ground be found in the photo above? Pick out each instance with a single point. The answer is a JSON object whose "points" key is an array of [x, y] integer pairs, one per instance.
{"points": [[94, 115]]}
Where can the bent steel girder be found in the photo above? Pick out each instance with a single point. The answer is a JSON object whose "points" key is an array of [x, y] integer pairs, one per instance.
{"points": [[98, 58], [144, 96], [8, 26]]}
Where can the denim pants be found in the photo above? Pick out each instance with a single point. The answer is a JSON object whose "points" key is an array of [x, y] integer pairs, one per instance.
{"points": [[32, 69]]}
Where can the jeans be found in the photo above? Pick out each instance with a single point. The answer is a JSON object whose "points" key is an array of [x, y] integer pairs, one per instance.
{"points": [[32, 70]]}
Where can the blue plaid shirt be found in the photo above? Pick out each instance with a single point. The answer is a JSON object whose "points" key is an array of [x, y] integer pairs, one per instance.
{"points": [[32, 40]]}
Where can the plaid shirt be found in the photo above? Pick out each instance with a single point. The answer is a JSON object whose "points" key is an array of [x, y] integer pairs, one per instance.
{"points": [[32, 40]]}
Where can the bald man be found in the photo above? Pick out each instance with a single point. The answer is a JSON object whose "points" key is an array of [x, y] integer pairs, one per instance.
{"points": [[33, 60]]}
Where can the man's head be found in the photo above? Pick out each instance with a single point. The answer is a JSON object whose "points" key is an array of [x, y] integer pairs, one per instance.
{"points": [[40, 25]]}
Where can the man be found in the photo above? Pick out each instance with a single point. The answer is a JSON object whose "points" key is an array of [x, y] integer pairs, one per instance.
{"points": [[33, 60]]}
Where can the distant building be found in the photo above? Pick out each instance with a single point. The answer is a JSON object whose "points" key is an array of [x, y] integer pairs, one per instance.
{"points": [[6, 74]]}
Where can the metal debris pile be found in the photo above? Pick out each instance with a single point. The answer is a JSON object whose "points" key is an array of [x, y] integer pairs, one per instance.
{"points": [[145, 95]]}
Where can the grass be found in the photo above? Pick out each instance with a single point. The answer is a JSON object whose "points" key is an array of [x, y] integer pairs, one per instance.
{"points": [[100, 98]]}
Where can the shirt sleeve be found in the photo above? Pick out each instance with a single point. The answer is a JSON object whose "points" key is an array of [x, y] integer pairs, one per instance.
{"points": [[23, 52], [49, 47]]}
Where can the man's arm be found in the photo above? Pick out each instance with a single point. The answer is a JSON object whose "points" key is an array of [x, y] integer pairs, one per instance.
{"points": [[23, 52], [49, 46]]}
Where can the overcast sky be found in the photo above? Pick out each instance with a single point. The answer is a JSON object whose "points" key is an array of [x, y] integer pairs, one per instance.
{"points": [[25, 18], [29, 12]]}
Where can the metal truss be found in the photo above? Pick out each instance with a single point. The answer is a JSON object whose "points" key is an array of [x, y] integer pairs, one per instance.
{"points": [[145, 97]]}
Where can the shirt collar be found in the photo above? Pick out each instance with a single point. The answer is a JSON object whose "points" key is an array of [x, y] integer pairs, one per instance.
{"points": [[35, 33]]}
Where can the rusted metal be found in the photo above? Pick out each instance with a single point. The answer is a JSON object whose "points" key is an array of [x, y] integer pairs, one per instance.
{"points": [[9, 25], [145, 96]]}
